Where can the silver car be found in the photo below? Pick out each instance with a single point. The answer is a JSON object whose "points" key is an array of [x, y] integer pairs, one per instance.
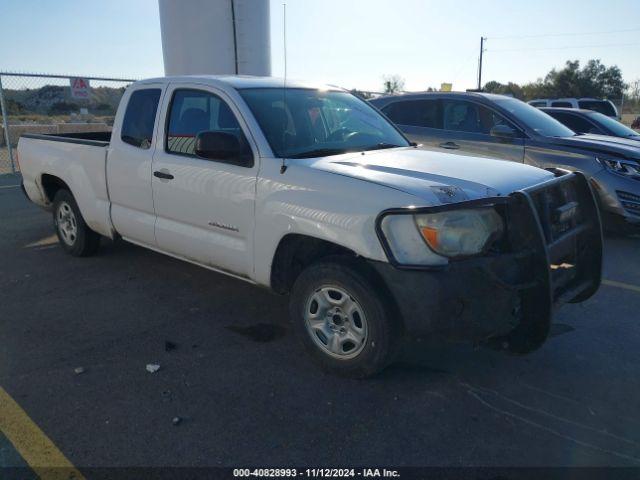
{"points": [[502, 127]]}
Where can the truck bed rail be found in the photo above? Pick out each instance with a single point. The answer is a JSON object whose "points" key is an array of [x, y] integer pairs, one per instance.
{"points": [[96, 139]]}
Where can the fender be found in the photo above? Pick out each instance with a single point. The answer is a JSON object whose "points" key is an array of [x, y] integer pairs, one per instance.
{"points": [[330, 207]]}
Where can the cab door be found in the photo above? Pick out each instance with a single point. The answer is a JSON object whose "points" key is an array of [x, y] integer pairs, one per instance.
{"points": [[129, 164], [204, 206]]}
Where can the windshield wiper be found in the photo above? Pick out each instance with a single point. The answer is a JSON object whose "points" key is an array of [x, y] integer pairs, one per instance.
{"points": [[382, 145], [319, 152], [325, 152]]}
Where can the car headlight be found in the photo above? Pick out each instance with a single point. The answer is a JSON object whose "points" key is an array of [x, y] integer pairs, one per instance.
{"points": [[628, 168], [433, 238]]}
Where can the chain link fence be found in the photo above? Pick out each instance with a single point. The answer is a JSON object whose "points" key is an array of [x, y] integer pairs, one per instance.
{"points": [[39, 103]]}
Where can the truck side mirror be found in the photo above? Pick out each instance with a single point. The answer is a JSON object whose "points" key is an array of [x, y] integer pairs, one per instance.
{"points": [[223, 147]]}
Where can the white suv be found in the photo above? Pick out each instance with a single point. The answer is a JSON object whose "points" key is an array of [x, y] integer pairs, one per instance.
{"points": [[606, 107]]}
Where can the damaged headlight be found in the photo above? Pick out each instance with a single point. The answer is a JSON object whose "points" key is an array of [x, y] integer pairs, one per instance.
{"points": [[460, 233], [433, 238], [628, 168]]}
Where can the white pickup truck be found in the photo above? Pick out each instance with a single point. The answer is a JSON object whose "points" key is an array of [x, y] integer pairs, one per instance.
{"points": [[310, 191]]}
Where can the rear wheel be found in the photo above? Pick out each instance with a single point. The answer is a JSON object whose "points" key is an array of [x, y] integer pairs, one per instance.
{"points": [[73, 233], [343, 320]]}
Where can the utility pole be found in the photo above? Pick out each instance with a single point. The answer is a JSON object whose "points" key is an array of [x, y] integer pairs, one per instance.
{"points": [[482, 39]]}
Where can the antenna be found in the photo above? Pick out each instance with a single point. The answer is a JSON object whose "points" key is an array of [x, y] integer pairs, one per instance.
{"points": [[283, 168], [235, 36]]}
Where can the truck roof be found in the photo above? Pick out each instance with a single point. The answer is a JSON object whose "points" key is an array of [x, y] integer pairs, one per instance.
{"points": [[423, 95], [240, 81]]}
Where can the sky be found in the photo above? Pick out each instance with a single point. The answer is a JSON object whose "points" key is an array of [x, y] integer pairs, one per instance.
{"points": [[351, 43]]}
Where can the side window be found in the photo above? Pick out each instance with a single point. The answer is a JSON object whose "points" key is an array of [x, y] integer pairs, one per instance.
{"points": [[490, 119], [461, 116], [538, 104], [464, 116], [415, 113], [195, 111], [140, 117], [575, 123]]}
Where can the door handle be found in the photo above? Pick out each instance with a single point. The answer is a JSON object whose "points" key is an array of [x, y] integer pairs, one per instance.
{"points": [[164, 175], [449, 145]]}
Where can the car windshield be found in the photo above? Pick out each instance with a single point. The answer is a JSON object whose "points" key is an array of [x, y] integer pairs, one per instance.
{"points": [[305, 123], [600, 106], [535, 119], [615, 127]]}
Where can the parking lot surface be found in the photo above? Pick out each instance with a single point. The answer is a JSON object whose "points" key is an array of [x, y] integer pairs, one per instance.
{"points": [[246, 393]]}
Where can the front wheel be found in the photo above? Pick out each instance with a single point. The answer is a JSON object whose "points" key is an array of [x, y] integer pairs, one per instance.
{"points": [[343, 319], [73, 233]]}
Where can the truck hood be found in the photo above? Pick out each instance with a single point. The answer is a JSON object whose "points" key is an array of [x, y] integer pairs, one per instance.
{"points": [[603, 144], [434, 177]]}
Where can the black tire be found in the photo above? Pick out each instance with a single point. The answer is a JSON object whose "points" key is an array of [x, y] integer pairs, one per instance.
{"points": [[75, 237], [382, 325]]}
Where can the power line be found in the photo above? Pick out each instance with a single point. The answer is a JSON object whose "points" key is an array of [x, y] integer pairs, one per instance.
{"points": [[542, 35], [563, 48]]}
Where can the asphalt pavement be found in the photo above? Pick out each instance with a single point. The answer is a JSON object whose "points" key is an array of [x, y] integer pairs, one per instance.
{"points": [[246, 393]]}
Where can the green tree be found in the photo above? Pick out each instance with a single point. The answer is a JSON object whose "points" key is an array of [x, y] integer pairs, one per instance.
{"points": [[511, 89], [593, 80], [393, 84]]}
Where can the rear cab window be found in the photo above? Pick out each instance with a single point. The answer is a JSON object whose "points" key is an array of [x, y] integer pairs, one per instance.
{"points": [[140, 117]]}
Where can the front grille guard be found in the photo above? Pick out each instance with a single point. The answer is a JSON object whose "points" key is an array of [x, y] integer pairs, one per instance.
{"points": [[556, 249], [551, 253], [567, 235]]}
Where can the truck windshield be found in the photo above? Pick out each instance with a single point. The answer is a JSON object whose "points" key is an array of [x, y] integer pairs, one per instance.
{"points": [[534, 119], [306, 123]]}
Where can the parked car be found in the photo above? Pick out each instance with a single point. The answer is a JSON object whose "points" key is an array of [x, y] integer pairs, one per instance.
{"points": [[498, 126], [312, 192], [606, 107], [588, 121]]}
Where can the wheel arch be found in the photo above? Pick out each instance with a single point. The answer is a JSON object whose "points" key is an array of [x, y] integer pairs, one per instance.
{"points": [[52, 184], [297, 251], [94, 210]]}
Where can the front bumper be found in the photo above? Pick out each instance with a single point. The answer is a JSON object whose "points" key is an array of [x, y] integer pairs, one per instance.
{"points": [[619, 199], [464, 302], [547, 258]]}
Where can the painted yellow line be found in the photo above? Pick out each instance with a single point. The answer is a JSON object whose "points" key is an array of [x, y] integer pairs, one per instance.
{"points": [[626, 286], [32, 444]]}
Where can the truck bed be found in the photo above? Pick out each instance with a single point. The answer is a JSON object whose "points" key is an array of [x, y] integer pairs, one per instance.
{"points": [[76, 159], [97, 139]]}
